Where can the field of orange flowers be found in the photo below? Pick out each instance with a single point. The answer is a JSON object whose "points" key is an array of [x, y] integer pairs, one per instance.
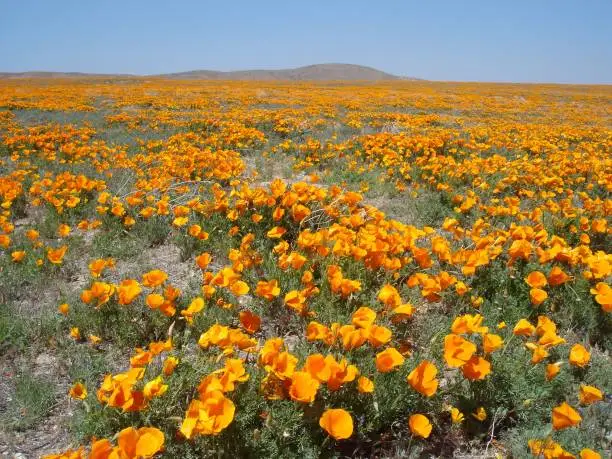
{"points": [[248, 269]]}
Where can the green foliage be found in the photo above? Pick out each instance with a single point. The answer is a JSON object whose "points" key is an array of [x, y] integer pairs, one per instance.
{"points": [[32, 398]]}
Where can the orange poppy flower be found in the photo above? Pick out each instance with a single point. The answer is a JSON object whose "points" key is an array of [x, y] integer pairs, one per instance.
{"points": [[97, 266], [154, 300], [552, 370], [56, 256], [209, 416], [564, 416], [296, 300], [78, 391], [128, 291], [579, 356], [539, 352], [420, 425], [276, 232], [536, 279], [144, 442], [154, 388], [363, 317], [340, 373], [476, 368], [423, 378], [100, 449], [75, 333], [491, 342], [365, 385], [169, 365], [18, 255], [480, 414], [203, 260], [388, 360], [319, 332], [267, 290], [5, 241], [389, 296], [557, 276], [537, 296], [523, 328], [283, 365], [352, 337], [402, 312], [457, 350], [319, 367], [154, 278], [63, 230], [32, 234], [589, 394], [239, 288], [603, 296], [548, 449], [303, 387], [378, 335], [587, 453], [520, 249], [250, 321], [468, 324], [457, 416], [338, 423]]}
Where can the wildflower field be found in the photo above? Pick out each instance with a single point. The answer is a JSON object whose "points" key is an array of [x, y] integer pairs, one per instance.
{"points": [[271, 269]]}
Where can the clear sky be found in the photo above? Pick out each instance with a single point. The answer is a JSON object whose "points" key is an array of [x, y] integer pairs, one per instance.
{"points": [[462, 40]]}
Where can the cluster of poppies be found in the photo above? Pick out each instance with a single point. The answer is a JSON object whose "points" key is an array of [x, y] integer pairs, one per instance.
{"points": [[308, 294]]}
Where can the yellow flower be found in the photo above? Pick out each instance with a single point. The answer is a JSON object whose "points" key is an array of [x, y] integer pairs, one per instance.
{"points": [[18, 255], [480, 414], [154, 388], [78, 391], [75, 333], [456, 416], [365, 385]]}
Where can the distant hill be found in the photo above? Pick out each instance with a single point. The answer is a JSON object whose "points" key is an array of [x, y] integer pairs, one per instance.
{"points": [[317, 72]]}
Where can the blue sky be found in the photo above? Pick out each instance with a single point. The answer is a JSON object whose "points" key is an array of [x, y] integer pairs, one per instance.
{"points": [[489, 40]]}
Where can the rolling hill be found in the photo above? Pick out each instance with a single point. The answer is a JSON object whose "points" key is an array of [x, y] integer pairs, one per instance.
{"points": [[308, 73], [317, 72]]}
